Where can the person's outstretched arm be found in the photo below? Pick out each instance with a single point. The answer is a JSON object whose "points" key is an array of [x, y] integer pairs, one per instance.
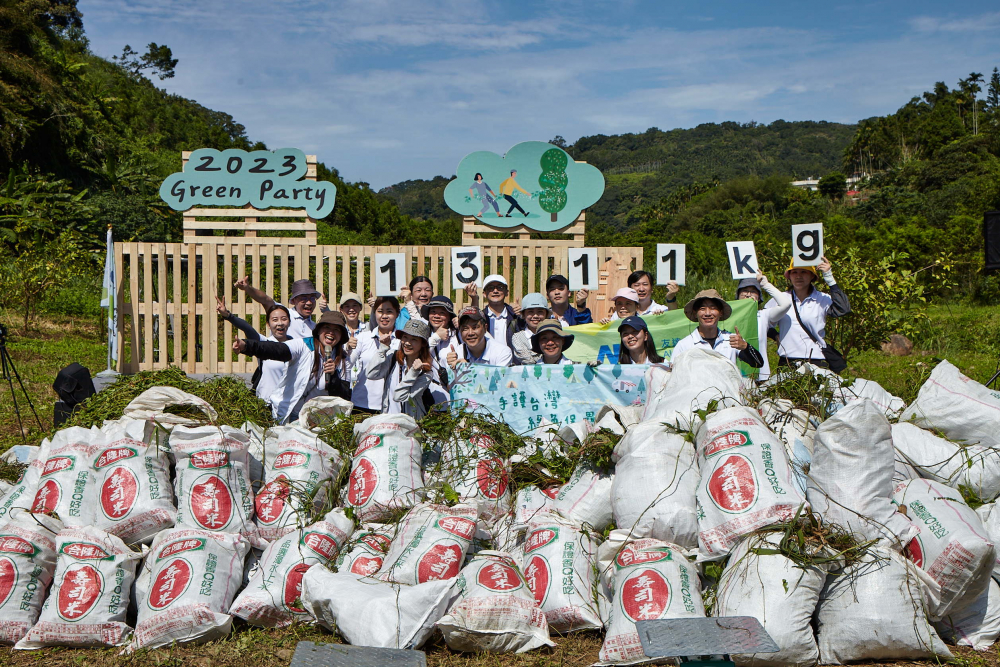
{"points": [[254, 293], [841, 305], [264, 349], [782, 300]]}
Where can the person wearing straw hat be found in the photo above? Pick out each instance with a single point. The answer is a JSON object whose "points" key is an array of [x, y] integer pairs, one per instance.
{"points": [[550, 341], [637, 346], [802, 330], [534, 309], [708, 308], [626, 303], [317, 365], [410, 386], [303, 299], [478, 346], [768, 316]]}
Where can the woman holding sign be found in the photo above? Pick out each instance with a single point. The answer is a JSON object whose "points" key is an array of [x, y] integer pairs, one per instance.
{"points": [[769, 316], [802, 332], [415, 298]]}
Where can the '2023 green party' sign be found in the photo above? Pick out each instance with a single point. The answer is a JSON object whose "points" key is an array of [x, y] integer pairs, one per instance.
{"points": [[547, 193], [263, 179]]}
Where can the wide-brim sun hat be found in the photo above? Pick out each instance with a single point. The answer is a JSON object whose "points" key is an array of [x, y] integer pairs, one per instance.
{"points": [[336, 319], [417, 328], [554, 326], [534, 300], [303, 287], [626, 293], [810, 269], [438, 302], [692, 306]]}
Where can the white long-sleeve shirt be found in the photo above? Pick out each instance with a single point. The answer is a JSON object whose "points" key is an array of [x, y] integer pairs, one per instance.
{"points": [[404, 386], [367, 393], [768, 317], [298, 384]]}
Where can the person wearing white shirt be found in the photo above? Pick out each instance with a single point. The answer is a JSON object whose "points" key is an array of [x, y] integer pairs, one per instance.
{"points": [[626, 303], [478, 347], [350, 306], [366, 395], [802, 330], [500, 317], [753, 288], [708, 308], [642, 282], [303, 299], [534, 309], [550, 341], [269, 372], [410, 385], [439, 313]]}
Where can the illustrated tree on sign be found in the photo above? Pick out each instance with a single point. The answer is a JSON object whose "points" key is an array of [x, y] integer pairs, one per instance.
{"points": [[589, 374], [553, 181], [568, 371]]}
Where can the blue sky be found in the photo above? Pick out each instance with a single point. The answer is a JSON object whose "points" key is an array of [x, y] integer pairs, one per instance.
{"points": [[389, 91]]}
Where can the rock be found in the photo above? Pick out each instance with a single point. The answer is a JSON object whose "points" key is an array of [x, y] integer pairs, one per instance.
{"points": [[898, 345]]}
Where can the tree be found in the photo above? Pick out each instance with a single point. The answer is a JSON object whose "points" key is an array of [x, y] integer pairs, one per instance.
{"points": [[833, 185], [975, 78], [558, 141], [553, 181], [157, 58], [993, 92]]}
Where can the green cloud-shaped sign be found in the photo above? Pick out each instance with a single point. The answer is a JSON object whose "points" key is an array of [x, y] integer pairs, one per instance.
{"points": [[547, 193]]}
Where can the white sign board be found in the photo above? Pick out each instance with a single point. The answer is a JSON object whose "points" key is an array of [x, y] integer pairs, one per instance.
{"points": [[742, 259], [807, 244], [466, 267], [582, 268], [670, 263], [390, 273]]}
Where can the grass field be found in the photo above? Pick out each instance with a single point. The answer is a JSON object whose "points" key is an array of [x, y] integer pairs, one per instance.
{"points": [[966, 336]]}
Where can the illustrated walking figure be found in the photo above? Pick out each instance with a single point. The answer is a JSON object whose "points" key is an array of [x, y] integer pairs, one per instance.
{"points": [[507, 190], [484, 190]]}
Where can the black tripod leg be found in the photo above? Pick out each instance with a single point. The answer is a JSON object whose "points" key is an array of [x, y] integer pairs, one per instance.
{"points": [[10, 383], [994, 378], [10, 369]]}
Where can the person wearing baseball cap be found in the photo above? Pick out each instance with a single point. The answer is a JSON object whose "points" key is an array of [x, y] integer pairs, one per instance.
{"points": [[501, 318], [557, 289], [350, 306], [411, 387], [304, 298], [534, 309], [550, 341], [626, 302], [802, 328], [637, 346], [478, 346], [708, 308], [754, 288]]}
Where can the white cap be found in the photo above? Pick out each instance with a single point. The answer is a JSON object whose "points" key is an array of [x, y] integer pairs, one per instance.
{"points": [[495, 278]]}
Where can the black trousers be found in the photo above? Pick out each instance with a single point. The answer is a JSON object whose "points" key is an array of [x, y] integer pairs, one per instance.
{"points": [[513, 205]]}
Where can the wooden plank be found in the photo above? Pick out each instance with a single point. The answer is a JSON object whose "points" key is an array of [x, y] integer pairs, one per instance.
{"points": [[119, 298], [283, 276], [255, 277], [532, 285], [147, 298], [361, 253], [163, 359], [243, 213], [227, 282], [192, 303], [446, 274], [517, 265], [262, 240], [210, 329], [334, 291], [250, 224], [320, 282], [178, 325]]}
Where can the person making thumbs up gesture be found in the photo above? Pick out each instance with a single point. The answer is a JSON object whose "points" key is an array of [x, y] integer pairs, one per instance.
{"points": [[708, 308]]}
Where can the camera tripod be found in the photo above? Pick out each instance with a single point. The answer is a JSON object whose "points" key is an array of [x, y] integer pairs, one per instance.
{"points": [[9, 373]]}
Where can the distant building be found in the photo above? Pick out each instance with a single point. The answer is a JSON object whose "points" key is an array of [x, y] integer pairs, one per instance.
{"points": [[811, 183]]}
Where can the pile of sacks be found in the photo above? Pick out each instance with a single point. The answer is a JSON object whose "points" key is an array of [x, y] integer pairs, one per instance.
{"points": [[197, 524]]}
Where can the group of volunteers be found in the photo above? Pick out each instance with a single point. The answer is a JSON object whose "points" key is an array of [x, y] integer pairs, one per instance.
{"points": [[397, 361]]}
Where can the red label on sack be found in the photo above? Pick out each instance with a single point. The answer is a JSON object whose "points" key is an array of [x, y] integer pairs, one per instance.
{"points": [[57, 463], [290, 459], [552, 491], [109, 456], [119, 492], [211, 503], [8, 577], [189, 544], [538, 577], [368, 442], [727, 441], [13, 544], [733, 485], [377, 541], [324, 545], [80, 590], [645, 596], [366, 566], [85, 551], [363, 482], [46, 498], [499, 577], [169, 584], [491, 476], [481, 441], [539, 539], [458, 525], [631, 556], [293, 588], [209, 458], [270, 502], [442, 561], [915, 552]]}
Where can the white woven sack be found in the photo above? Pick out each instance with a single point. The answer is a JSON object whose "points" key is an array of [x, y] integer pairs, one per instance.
{"points": [[479, 477], [90, 593], [779, 594], [21, 495], [298, 467], [698, 378], [150, 405], [655, 487], [558, 564], [796, 430], [746, 481], [991, 523], [273, 596], [67, 484], [430, 543], [950, 463], [586, 498], [495, 610], [322, 410], [876, 611], [850, 478], [365, 552], [188, 583], [961, 408], [135, 497], [891, 406], [529, 502], [27, 564], [620, 418], [651, 579], [953, 547], [367, 612], [385, 468], [978, 625]]}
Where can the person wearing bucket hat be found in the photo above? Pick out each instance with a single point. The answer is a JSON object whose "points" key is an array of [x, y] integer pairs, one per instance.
{"points": [[440, 315], [637, 346], [303, 299], [410, 384], [708, 308], [478, 346], [767, 317], [802, 329], [550, 341], [534, 309], [626, 302], [557, 289], [317, 365]]}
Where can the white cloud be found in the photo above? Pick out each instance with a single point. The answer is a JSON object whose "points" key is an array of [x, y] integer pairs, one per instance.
{"points": [[984, 22]]}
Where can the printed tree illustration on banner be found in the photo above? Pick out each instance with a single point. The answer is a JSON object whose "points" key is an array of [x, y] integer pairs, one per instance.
{"points": [[553, 181]]}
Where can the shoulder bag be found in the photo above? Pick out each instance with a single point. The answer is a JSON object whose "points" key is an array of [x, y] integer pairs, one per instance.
{"points": [[834, 359]]}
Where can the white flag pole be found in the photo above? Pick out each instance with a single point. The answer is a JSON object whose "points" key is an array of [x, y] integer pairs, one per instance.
{"points": [[108, 297]]}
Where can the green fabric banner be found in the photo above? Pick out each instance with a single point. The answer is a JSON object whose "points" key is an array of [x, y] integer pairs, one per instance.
{"points": [[601, 341]]}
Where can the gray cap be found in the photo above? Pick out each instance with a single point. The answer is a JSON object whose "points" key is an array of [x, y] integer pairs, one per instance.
{"points": [[750, 282], [417, 328]]}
